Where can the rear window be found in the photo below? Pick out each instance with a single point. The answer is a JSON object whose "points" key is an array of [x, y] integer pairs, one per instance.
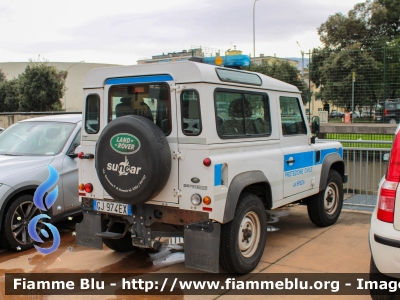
{"points": [[151, 101]]}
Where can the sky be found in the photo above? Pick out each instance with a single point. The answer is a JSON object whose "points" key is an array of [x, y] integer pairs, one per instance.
{"points": [[123, 31]]}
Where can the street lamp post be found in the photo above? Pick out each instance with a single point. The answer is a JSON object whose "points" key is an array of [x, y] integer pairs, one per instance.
{"points": [[65, 98], [254, 33]]}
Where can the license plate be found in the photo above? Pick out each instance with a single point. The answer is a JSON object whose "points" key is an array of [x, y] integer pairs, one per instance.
{"points": [[112, 207]]}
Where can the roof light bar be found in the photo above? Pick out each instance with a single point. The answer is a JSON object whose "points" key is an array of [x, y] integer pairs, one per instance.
{"points": [[229, 61]]}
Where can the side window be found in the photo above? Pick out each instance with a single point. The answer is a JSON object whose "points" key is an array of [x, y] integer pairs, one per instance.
{"points": [[259, 122], [75, 143], [92, 115], [242, 114], [291, 116], [190, 106]]}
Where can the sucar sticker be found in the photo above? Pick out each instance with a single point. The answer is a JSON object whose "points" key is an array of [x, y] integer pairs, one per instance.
{"points": [[123, 168]]}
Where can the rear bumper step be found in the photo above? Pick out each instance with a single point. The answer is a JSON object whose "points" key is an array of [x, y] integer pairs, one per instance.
{"points": [[110, 235]]}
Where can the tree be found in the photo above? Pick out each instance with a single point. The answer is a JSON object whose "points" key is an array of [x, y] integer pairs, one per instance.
{"points": [[9, 95], [2, 76], [41, 87], [284, 71], [392, 74], [337, 72], [368, 24], [365, 41]]}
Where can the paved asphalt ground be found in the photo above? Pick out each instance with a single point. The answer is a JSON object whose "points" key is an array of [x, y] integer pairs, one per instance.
{"points": [[297, 247]]}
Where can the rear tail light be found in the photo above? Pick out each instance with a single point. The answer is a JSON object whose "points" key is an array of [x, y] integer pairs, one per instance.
{"points": [[386, 201], [387, 196], [386, 112], [88, 187], [207, 162]]}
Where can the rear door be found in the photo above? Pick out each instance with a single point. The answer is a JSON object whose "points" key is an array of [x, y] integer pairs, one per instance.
{"points": [[153, 97]]}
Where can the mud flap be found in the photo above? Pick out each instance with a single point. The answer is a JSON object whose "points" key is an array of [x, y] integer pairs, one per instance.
{"points": [[87, 229], [202, 246]]}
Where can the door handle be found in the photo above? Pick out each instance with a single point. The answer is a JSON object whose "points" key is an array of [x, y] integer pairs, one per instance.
{"points": [[290, 161]]}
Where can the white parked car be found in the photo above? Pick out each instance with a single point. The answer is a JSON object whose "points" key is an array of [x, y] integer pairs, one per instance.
{"points": [[26, 150], [384, 234]]}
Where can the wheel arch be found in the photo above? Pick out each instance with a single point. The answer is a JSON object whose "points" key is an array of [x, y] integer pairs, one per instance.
{"points": [[331, 162], [254, 182], [26, 190]]}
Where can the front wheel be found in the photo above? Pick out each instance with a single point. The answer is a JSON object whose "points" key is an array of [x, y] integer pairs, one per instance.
{"points": [[243, 238], [14, 230], [324, 208]]}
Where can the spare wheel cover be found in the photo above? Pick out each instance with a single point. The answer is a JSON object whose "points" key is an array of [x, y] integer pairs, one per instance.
{"points": [[133, 159]]}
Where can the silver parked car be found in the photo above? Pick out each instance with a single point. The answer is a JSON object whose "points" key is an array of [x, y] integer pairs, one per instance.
{"points": [[26, 150]]}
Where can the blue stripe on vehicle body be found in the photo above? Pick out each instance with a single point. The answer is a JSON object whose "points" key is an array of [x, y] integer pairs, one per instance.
{"points": [[307, 159], [302, 160], [325, 152], [139, 79], [218, 175]]}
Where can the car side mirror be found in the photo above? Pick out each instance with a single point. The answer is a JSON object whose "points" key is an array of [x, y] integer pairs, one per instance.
{"points": [[315, 125], [72, 154], [314, 129], [73, 150], [385, 157]]}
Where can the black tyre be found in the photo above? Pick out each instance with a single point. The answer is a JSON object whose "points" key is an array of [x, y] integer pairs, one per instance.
{"points": [[14, 230], [324, 208], [243, 238], [133, 159], [376, 276], [119, 245]]}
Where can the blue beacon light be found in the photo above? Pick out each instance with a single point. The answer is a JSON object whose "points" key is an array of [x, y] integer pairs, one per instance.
{"points": [[228, 61]]}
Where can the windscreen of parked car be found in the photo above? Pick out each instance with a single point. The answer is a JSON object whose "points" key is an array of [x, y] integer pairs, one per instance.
{"points": [[35, 138]]}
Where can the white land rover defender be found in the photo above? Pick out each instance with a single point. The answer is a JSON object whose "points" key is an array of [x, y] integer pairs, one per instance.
{"points": [[200, 151]]}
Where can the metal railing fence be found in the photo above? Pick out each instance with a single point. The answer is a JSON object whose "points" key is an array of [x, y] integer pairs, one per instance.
{"points": [[365, 168]]}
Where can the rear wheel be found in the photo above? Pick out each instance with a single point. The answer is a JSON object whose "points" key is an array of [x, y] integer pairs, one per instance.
{"points": [[392, 121], [376, 276], [243, 238], [324, 208]]}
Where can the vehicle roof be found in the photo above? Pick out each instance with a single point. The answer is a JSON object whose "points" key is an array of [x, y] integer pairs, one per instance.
{"points": [[68, 118], [181, 72]]}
